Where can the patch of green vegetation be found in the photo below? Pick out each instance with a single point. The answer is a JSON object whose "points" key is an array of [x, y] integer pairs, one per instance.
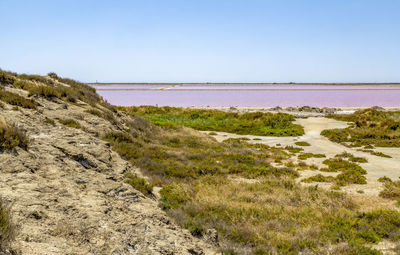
{"points": [[376, 153], [106, 114], [11, 137], [319, 178], [371, 128], [384, 179], [17, 100], [139, 184], [256, 123], [7, 228], [70, 123], [304, 156], [50, 122], [293, 149], [202, 189], [54, 86], [350, 172], [302, 143], [391, 189], [351, 157]]}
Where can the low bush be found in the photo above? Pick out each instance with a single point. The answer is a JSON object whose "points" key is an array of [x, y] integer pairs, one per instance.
{"points": [[319, 178], [302, 143], [304, 156], [70, 123], [17, 100], [7, 228], [139, 184], [293, 149], [391, 189], [351, 157], [107, 115], [50, 121], [11, 137]]}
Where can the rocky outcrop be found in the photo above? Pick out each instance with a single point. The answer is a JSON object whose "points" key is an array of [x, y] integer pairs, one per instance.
{"points": [[67, 191]]}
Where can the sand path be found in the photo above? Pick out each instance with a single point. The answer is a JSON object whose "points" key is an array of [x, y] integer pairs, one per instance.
{"points": [[376, 167]]}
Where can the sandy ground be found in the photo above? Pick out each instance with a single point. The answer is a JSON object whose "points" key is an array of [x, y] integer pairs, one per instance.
{"points": [[376, 167]]}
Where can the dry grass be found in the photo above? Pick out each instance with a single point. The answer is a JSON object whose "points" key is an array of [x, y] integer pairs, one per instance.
{"points": [[11, 137], [7, 228]]}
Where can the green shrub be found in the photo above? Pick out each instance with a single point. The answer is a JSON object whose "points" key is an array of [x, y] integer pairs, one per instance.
{"points": [[293, 149], [351, 157], [103, 114], [391, 189], [6, 77], [302, 143], [213, 120], [11, 137], [17, 100], [319, 178], [139, 184], [70, 123], [50, 121], [7, 228], [304, 156]]}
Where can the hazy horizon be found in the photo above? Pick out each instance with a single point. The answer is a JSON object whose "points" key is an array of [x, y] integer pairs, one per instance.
{"points": [[344, 41]]}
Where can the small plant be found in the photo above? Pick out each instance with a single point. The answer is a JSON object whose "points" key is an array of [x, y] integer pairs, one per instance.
{"points": [[139, 184], [50, 122], [302, 143], [391, 189], [7, 228], [70, 123], [293, 149], [11, 137], [384, 179], [351, 157], [305, 156], [319, 178], [212, 133]]}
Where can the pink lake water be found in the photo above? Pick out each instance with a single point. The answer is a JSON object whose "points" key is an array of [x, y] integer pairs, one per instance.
{"points": [[253, 95]]}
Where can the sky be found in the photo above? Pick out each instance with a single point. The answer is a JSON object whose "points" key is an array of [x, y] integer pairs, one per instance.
{"points": [[203, 40]]}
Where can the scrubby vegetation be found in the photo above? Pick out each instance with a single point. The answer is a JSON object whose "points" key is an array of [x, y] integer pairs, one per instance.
{"points": [[213, 120], [7, 227], [105, 114], [70, 123], [307, 155], [371, 127], [351, 157], [11, 137], [16, 100], [391, 189], [302, 143], [50, 87], [139, 184], [204, 186], [376, 153], [351, 173]]}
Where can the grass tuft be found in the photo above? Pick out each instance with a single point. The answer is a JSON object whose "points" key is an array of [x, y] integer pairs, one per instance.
{"points": [[70, 123], [11, 137]]}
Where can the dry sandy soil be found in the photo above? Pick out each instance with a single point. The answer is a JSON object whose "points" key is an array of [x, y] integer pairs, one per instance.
{"points": [[376, 167]]}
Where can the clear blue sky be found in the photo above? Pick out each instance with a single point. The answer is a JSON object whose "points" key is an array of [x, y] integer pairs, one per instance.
{"points": [[203, 40]]}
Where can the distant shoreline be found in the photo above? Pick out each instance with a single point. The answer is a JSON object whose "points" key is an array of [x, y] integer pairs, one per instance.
{"points": [[243, 84]]}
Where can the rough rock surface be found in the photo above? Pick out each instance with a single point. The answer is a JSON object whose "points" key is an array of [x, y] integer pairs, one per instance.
{"points": [[68, 196]]}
